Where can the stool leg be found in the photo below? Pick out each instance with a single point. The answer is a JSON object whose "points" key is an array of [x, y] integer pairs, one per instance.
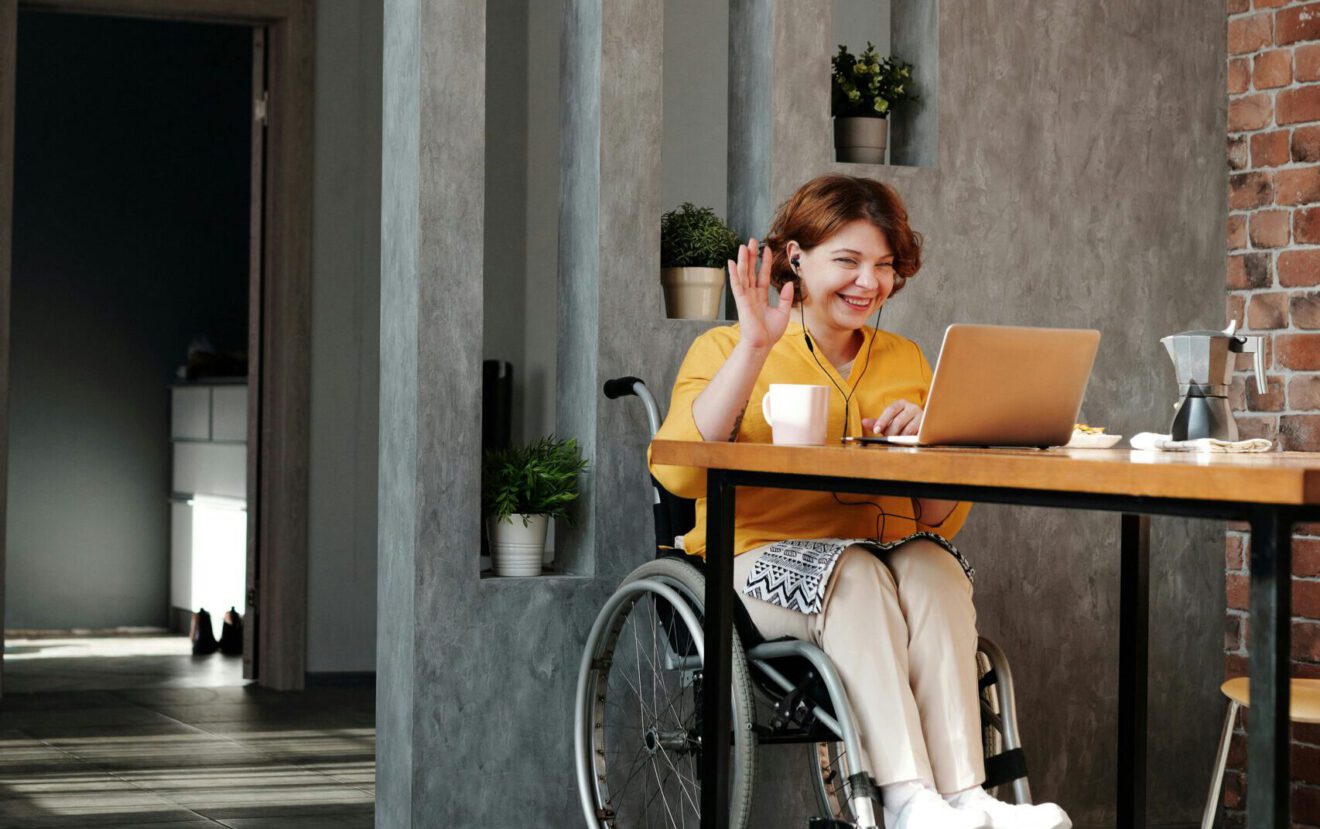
{"points": [[1221, 760]]}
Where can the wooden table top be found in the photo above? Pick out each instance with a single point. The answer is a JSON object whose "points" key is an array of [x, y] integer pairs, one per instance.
{"points": [[1287, 478]]}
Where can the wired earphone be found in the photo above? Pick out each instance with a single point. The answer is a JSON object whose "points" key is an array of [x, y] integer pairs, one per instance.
{"points": [[882, 514], [806, 336]]}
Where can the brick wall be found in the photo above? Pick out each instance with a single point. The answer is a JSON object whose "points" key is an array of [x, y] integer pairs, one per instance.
{"points": [[1273, 281]]}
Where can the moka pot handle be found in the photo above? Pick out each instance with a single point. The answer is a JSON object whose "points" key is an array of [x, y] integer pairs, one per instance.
{"points": [[1256, 347]]}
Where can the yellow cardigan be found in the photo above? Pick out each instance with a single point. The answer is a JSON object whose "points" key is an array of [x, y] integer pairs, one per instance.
{"points": [[897, 371]]}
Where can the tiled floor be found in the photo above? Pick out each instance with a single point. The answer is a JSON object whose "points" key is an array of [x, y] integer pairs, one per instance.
{"points": [[100, 663], [171, 755]]}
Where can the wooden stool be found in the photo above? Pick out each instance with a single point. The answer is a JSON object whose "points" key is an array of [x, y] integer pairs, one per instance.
{"points": [[1304, 706]]}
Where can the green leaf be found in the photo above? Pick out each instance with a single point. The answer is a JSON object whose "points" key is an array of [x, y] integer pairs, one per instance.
{"points": [[887, 82], [692, 236], [539, 478]]}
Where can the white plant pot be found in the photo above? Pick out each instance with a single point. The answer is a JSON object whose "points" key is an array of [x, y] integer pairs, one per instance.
{"points": [[692, 293], [861, 140], [516, 549]]}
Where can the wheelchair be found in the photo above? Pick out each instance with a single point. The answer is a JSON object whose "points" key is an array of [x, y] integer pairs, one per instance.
{"points": [[637, 718]]}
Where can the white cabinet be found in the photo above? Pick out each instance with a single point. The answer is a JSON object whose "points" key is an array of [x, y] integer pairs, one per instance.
{"points": [[229, 413], [208, 512], [211, 413], [210, 469], [190, 413], [181, 532]]}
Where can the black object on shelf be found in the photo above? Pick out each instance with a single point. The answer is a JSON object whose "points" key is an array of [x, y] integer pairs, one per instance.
{"points": [[496, 404], [496, 415]]}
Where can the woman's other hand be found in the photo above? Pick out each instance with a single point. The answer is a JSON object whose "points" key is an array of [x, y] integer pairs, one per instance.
{"points": [[900, 418], [904, 418], [760, 325]]}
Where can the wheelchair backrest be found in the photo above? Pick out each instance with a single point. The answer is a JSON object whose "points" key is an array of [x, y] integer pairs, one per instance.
{"points": [[674, 516]]}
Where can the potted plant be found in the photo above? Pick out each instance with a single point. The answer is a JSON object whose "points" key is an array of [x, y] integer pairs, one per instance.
{"points": [[522, 487], [695, 244], [863, 91]]}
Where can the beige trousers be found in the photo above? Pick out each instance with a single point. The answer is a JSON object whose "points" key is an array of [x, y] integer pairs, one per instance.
{"points": [[901, 630]]}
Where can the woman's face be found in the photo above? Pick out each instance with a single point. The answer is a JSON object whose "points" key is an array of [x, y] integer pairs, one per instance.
{"points": [[847, 276]]}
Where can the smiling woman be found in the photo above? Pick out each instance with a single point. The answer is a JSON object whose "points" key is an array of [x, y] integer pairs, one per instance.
{"points": [[874, 581]]}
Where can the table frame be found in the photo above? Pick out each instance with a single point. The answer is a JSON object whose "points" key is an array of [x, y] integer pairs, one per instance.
{"points": [[1269, 622]]}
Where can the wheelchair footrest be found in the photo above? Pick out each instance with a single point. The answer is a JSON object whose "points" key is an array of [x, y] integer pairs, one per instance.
{"points": [[1005, 768], [829, 823]]}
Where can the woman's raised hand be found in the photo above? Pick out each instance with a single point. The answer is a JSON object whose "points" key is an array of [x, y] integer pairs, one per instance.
{"points": [[760, 325]]}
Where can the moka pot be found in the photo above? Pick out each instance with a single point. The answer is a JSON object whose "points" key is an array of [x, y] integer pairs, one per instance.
{"points": [[1203, 362]]}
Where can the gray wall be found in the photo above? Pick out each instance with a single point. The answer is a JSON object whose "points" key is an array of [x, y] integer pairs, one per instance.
{"points": [[522, 179], [1059, 198], [341, 513], [857, 22], [522, 204], [1068, 189], [130, 238], [695, 124]]}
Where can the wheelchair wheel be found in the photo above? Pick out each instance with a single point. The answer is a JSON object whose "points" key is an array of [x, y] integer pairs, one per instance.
{"points": [[831, 769], [638, 717]]}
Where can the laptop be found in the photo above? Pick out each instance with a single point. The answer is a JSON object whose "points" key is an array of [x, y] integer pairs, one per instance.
{"points": [[998, 385]]}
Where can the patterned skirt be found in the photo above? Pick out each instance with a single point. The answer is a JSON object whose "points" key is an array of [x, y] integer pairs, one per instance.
{"points": [[794, 574]]}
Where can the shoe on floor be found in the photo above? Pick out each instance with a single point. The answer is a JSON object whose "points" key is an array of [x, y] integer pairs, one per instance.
{"points": [[201, 634], [231, 634]]}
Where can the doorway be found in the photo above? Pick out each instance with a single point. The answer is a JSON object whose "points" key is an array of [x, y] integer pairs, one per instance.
{"points": [[195, 296], [129, 316]]}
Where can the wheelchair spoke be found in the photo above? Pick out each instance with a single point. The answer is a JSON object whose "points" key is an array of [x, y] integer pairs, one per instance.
{"points": [[637, 652], [830, 760], [660, 789], [643, 704], [638, 765], [682, 784]]}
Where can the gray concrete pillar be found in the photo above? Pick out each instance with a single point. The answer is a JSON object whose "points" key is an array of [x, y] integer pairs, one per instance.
{"points": [[476, 676], [431, 260]]}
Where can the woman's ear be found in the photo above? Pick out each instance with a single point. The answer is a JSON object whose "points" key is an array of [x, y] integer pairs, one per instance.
{"points": [[792, 251]]}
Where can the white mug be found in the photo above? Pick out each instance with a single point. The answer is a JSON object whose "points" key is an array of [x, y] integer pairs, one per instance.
{"points": [[797, 414]]}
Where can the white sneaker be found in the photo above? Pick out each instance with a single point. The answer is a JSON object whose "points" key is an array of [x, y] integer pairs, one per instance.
{"points": [[927, 810], [1016, 816]]}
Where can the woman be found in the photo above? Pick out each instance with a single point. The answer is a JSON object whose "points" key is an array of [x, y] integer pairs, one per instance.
{"points": [[895, 612]]}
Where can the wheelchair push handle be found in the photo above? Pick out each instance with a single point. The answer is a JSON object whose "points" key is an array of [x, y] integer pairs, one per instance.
{"points": [[625, 386], [621, 387]]}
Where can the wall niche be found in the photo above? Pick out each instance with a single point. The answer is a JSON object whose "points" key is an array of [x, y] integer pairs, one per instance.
{"points": [[694, 138], [521, 233], [908, 30]]}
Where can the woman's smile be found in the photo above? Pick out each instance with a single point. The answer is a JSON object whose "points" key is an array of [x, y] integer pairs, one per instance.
{"points": [[857, 303]]}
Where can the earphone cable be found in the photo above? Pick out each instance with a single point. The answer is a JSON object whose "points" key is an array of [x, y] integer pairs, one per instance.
{"points": [[866, 363], [806, 335], [882, 515]]}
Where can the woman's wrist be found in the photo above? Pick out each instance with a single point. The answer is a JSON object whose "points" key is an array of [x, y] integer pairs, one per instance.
{"points": [[751, 353]]}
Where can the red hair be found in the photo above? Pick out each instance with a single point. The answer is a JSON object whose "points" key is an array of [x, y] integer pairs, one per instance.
{"points": [[822, 206]]}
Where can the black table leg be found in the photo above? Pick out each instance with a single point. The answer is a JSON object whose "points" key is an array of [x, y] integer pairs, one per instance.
{"points": [[1270, 626], [716, 704], [1133, 664]]}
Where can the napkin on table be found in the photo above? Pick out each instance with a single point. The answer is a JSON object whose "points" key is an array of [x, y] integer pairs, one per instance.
{"points": [[1162, 443]]}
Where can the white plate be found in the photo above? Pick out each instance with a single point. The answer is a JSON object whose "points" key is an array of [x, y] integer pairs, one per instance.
{"points": [[1086, 440]]}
